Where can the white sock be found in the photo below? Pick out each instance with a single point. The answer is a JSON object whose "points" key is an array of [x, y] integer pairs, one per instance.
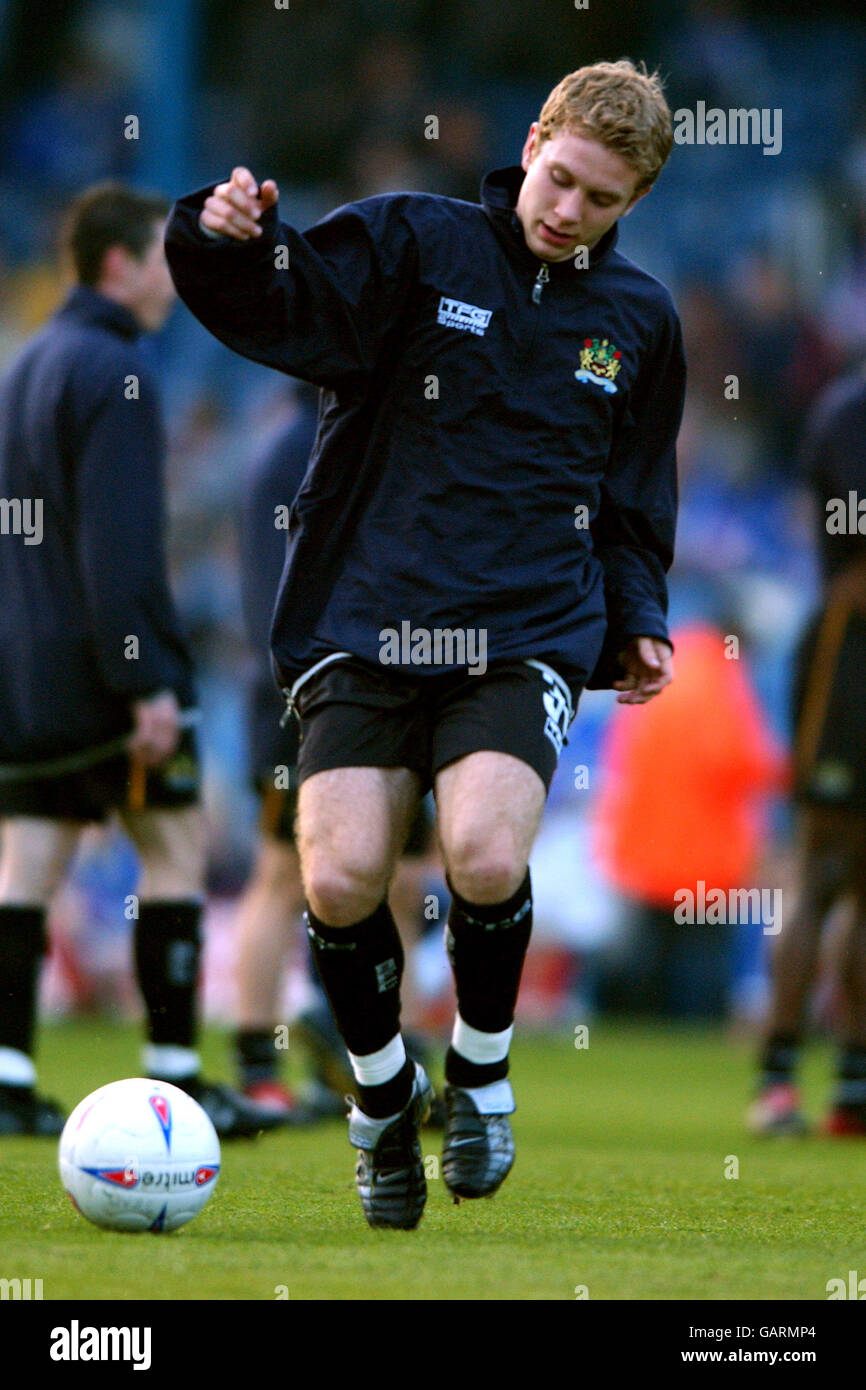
{"points": [[375, 1068], [496, 1098], [16, 1068], [478, 1047], [167, 1062]]}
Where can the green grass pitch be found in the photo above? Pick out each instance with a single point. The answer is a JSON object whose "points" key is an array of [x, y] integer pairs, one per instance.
{"points": [[619, 1189]]}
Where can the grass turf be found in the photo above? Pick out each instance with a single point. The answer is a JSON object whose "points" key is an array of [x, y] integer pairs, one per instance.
{"points": [[619, 1186]]}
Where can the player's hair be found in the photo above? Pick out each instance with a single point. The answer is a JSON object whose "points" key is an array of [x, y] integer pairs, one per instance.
{"points": [[105, 215], [621, 106]]}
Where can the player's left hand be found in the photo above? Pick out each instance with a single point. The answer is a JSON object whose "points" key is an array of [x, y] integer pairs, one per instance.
{"points": [[649, 663]]}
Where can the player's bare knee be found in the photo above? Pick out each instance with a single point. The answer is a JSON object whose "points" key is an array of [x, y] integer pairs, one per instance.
{"points": [[170, 847], [485, 873], [34, 855], [341, 896]]}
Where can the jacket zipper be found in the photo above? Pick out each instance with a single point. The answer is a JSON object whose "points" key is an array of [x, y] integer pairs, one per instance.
{"points": [[541, 280], [291, 708]]}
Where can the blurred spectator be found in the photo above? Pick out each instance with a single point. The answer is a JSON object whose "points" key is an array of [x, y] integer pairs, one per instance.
{"points": [[681, 790], [787, 360], [719, 57]]}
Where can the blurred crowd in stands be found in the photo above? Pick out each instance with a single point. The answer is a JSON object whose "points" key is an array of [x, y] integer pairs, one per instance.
{"points": [[765, 254]]}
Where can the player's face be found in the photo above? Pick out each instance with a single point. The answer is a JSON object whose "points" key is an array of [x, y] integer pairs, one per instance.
{"points": [[574, 190], [150, 287]]}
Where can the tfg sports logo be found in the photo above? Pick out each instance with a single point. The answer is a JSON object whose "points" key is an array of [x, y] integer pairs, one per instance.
{"points": [[454, 313]]}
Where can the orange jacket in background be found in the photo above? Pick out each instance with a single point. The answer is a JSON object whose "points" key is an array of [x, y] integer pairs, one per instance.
{"points": [[682, 775]]}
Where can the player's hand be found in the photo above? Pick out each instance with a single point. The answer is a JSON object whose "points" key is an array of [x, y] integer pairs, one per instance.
{"points": [[156, 732], [649, 663], [234, 208]]}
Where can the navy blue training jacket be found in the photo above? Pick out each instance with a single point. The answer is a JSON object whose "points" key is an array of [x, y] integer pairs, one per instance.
{"points": [[74, 436], [473, 414]]}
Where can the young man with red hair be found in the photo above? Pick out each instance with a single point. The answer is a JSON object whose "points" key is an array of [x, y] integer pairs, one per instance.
{"points": [[483, 531]]}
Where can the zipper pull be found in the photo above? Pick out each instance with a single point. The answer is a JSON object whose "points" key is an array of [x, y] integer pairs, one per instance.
{"points": [[290, 707], [541, 280]]}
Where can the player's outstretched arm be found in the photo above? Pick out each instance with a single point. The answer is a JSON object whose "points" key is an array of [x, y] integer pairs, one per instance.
{"points": [[317, 304]]}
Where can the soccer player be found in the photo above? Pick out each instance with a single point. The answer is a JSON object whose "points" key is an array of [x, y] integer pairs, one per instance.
{"points": [[829, 788], [484, 530], [96, 691]]}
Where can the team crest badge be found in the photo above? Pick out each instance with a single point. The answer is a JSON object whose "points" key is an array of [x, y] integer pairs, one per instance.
{"points": [[599, 363]]}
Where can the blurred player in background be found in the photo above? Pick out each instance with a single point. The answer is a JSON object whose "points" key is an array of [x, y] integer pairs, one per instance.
{"points": [[273, 900], [830, 786], [96, 687], [496, 462], [271, 907], [707, 826]]}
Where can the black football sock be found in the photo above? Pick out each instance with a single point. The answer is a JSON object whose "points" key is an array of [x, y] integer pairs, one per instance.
{"points": [[360, 968], [22, 946], [778, 1060], [851, 1077], [256, 1055], [167, 950], [487, 945]]}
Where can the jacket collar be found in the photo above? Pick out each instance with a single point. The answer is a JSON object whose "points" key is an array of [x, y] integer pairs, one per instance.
{"points": [[499, 192], [86, 305]]}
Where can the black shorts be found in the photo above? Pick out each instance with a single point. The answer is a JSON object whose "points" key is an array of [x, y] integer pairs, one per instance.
{"points": [[111, 785], [830, 728], [355, 714]]}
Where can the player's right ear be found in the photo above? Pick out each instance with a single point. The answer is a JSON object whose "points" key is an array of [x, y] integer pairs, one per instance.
{"points": [[529, 146]]}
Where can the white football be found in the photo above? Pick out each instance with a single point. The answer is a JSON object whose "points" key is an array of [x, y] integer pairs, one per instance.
{"points": [[139, 1155]]}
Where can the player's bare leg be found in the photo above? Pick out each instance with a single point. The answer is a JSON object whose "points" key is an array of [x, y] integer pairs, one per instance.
{"points": [[822, 876], [269, 907], [167, 948], [822, 859], [489, 809], [406, 897], [352, 825], [490, 806], [170, 845], [34, 856], [848, 1111], [268, 913]]}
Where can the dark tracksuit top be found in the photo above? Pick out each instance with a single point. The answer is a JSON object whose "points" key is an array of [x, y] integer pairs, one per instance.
{"points": [[477, 404], [73, 435]]}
